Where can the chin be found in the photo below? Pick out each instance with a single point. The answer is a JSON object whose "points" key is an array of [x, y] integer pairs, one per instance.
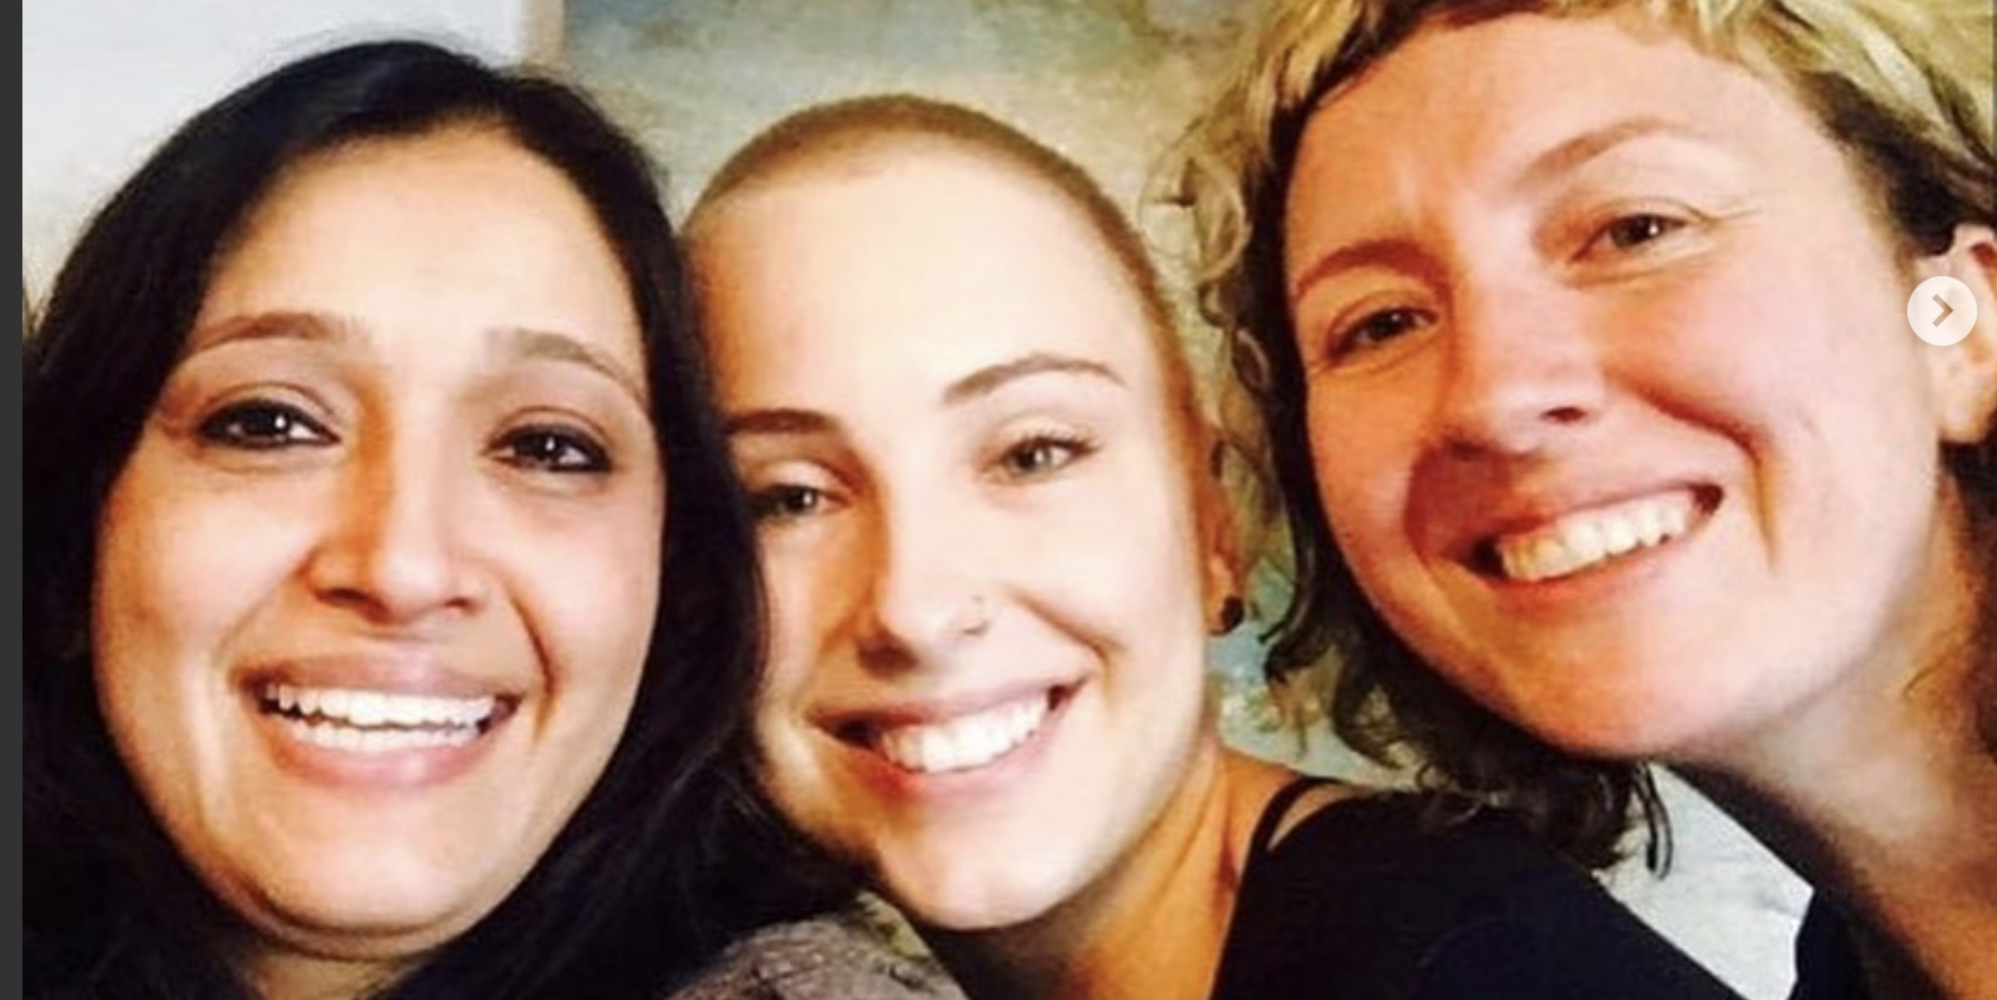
{"points": [[985, 902], [366, 920], [1635, 727]]}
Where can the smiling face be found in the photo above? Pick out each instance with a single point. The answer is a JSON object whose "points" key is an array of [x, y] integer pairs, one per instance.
{"points": [[1612, 401], [376, 585], [988, 583]]}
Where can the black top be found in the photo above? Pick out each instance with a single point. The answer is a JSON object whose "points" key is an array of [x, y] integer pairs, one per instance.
{"points": [[1827, 965], [1360, 901]]}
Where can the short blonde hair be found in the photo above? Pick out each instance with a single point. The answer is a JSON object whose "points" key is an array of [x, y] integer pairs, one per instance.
{"points": [[858, 133], [1903, 86]]}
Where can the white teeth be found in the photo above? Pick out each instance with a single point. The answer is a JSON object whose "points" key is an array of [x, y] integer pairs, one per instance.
{"points": [[1589, 538], [965, 742], [377, 721], [375, 741]]}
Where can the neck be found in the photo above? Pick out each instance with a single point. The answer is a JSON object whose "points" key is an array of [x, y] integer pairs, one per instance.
{"points": [[293, 975], [1882, 794], [1154, 925]]}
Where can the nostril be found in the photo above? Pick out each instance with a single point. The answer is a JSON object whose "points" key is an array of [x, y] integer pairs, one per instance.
{"points": [[1567, 415]]}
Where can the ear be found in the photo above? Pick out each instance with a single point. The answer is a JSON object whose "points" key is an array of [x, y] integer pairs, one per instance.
{"points": [[1964, 374], [1220, 547]]}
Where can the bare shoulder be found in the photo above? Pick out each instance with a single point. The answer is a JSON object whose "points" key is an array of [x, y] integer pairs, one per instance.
{"points": [[1257, 787]]}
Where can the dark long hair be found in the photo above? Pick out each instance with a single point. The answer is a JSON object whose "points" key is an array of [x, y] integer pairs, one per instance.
{"points": [[614, 907]]}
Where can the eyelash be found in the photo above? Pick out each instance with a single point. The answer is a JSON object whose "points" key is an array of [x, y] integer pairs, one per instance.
{"points": [[1367, 332], [786, 502], [1630, 234], [268, 425], [1056, 449], [552, 448], [264, 425], [1027, 459], [1633, 233]]}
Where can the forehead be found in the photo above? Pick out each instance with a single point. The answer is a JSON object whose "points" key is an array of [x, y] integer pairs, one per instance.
{"points": [[1499, 108], [1523, 80], [926, 255], [459, 226], [473, 177]]}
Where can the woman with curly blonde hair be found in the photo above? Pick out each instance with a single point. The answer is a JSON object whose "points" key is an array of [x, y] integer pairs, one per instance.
{"points": [[1579, 332]]}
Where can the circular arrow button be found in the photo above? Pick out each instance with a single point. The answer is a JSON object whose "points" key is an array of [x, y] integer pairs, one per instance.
{"points": [[1942, 310]]}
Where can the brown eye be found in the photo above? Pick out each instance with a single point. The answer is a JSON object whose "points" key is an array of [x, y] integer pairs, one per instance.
{"points": [[263, 425], [552, 449], [786, 503], [1040, 455], [1633, 231], [1380, 327]]}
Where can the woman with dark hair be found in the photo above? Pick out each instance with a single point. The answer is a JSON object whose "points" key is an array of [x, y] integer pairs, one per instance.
{"points": [[392, 602], [1580, 333]]}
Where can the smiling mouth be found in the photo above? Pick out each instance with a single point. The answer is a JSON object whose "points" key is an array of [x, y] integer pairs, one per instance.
{"points": [[1595, 538], [964, 743], [365, 721]]}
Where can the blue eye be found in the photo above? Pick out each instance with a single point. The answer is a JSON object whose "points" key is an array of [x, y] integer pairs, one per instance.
{"points": [[552, 449], [786, 502], [263, 425]]}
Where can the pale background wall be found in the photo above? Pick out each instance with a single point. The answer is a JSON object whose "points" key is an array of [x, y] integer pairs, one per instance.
{"points": [[1109, 82], [104, 81]]}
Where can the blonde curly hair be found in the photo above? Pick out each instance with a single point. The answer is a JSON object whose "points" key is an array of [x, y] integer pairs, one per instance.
{"points": [[1904, 86]]}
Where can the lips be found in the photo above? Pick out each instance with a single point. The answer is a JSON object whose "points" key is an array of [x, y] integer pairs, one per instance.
{"points": [[1595, 537]]}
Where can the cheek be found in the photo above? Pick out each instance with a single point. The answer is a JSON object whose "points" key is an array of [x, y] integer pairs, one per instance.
{"points": [[179, 572], [583, 588], [179, 576], [1363, 457], [1794, 333], [804, 602], [787, 764], [1823, 393], [1080, 559], [602, 604], [810, 573]]}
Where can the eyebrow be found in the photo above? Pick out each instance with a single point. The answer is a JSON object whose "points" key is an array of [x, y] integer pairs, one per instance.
{"points": [[1394, 252], [1550, 163], [277, 325], [1594, 142], [507, 342], [779, 421], [547, 345], [991, 378], [983, 382]]}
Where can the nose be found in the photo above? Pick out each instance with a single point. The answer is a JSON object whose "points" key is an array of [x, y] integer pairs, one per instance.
{"points": [[1523, 373], [393, 550], [925, 597]]}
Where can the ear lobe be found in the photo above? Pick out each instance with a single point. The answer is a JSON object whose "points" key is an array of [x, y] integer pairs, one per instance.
{"points": [[1964, 374], [1220, 543]]}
